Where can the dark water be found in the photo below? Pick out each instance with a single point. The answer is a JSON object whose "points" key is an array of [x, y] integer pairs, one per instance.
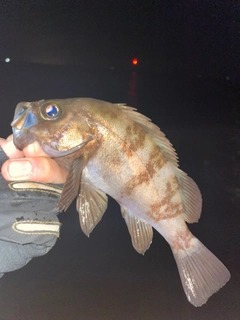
{"points": [[103, 277]]}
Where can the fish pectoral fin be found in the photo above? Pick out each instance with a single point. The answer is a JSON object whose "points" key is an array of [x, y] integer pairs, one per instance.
{"points": [[91, 205], [72, 184], [141, 232]]}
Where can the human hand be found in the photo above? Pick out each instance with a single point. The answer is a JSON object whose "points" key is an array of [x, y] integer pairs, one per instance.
{"points": [[29, 225], [31, 164]]}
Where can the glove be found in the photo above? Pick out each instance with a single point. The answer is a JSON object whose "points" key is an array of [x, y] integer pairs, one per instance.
{"points": [[29, 226]]}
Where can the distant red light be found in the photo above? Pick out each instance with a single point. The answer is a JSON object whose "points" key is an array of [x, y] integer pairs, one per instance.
{"points": [[135, 61]]}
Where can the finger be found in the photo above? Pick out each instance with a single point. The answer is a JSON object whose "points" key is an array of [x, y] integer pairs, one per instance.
{"points": [[9, 138], [40, 169], [34, 150], [10, 149]]}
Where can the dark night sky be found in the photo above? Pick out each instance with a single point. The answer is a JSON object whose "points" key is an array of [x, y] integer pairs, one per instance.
{"points": [[198, 36]]}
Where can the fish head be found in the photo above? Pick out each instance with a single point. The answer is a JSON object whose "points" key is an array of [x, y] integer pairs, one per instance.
{"points": [[60, 126]]}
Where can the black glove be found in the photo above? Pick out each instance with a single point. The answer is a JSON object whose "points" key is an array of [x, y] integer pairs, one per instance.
{"points": [[29, 226]]}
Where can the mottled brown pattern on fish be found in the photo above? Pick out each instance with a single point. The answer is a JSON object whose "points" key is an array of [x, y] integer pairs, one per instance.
{"points": [[171, 210], [155, 162], [128, 152], [170, 207], [182, 240], [134, 137], [116, 161], [135, 181], [113, 113]]}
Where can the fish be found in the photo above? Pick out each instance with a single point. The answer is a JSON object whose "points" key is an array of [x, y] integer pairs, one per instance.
{"points": [[111, 149]]}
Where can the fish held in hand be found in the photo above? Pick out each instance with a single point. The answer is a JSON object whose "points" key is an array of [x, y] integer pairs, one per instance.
{"points": [[112, 149]]}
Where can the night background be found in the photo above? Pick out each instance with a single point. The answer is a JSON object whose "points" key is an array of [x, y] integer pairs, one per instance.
{"points": [[187, 81]]}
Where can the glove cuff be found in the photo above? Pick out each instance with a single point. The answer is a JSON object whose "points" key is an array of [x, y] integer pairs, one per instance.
{"points": [[3, 157]]}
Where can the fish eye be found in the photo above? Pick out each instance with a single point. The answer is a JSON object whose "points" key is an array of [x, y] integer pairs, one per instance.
{"points": [[50, 111]]}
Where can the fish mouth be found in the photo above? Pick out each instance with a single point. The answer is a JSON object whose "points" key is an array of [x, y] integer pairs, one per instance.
{"points": [[21, 139], [55, 153], [23, 120]]}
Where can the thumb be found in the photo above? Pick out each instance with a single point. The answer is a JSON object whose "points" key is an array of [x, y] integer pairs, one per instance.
{"points": [[41, 169]]}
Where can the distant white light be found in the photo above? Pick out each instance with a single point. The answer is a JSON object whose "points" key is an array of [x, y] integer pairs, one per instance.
{"points": [[227, 78], [7, 60]]}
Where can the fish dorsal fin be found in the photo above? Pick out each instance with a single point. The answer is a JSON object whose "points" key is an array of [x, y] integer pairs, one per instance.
{"points": [[152, 129], [190, 193], [71, 186], [141, 233], [91, 205]]}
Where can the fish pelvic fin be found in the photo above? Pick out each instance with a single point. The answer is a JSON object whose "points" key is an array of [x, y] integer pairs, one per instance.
{"points": [[201, 272]]}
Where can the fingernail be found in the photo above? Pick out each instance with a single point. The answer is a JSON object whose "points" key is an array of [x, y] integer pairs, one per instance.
{"points": [[31, 148], [19, 169]]}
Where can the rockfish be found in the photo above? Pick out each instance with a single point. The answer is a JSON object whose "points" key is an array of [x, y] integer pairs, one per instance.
{"points": [[112, 149]]}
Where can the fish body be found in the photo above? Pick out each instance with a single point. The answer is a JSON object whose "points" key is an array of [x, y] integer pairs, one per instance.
{"points": [[112, 149]]}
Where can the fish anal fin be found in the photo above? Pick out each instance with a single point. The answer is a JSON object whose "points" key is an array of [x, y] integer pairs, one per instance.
{"points": [[141, 233], [91, 205], [201, 272], [71, 186], [191, 197]]}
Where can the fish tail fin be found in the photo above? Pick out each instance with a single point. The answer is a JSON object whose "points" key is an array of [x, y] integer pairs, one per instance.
{"points": [[201, 272]]}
